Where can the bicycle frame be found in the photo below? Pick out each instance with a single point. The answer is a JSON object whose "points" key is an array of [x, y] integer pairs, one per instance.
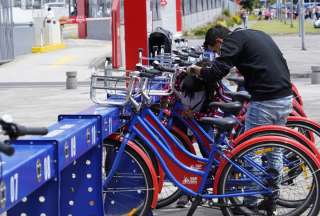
{"points": [[192, 180]]}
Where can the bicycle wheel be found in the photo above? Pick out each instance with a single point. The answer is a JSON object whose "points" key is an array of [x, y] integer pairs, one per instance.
{"points": [[284, 133], [296, 94], [298, 109], [306, 127], [305, 186], [130, 191]]}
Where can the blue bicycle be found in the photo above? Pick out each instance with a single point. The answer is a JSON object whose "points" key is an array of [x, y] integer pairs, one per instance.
{"points": [[228, 174]]}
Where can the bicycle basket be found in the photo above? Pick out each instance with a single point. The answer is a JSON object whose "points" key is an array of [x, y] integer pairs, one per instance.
{"points": [[114, 88]]}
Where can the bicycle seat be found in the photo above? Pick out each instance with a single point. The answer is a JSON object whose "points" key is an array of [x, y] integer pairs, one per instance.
{"points": [[228, 108], [240, 96], [238, 80], [223, 124]]}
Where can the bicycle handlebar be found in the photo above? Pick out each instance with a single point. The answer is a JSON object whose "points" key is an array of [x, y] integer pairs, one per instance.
{"points": [[14, 130], [159, 67], [6, 149], [22, 130]]}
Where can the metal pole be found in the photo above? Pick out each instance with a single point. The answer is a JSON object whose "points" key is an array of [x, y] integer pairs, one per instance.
{"points": [[278, 2], [301, 14], [291, 15], [280, 11], [285, 12]]}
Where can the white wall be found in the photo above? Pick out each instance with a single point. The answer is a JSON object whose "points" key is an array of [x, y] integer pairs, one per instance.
{"points": [[168, 16], [197, 19]]}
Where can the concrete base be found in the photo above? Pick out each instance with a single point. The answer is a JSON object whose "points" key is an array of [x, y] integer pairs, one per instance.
{"points": [[315, 75], [48, 48]]}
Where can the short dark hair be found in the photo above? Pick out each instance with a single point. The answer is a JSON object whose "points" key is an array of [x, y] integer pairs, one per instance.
{"points": [[49, 8], [212, 34]]}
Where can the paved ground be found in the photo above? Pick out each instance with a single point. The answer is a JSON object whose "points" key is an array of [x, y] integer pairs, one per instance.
{"points": [[27, 97], [51, 67]]}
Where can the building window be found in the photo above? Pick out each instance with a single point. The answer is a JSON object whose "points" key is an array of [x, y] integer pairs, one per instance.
{"points": [[155, 7], [199, 5], [100, 8], [193, 6], [209, 3], [17, 3], [186, 7], [204, 5]]}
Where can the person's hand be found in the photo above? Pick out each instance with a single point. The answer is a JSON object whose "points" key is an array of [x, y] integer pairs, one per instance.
{"points": [[194, 70]]}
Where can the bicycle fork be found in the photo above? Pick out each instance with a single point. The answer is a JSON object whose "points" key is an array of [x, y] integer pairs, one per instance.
{"points": [[116, 162]]}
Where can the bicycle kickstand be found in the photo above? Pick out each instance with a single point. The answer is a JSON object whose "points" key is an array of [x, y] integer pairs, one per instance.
{"points": [[195, 203]]}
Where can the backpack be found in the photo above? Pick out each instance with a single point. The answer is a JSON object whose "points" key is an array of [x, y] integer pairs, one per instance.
{"points": [[160, 37]]}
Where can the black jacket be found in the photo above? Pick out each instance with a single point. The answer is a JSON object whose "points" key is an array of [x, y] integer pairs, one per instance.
{"points": [[258, 59]]}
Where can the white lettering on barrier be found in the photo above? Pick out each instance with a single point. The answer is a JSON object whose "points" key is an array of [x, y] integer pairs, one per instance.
{"points": [[94, 137], [54, 133], [67, 126], [73, 146], [110, 125], [14, 187], [47, 170]]}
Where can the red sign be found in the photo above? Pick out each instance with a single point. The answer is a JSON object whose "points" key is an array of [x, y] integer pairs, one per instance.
{"points": [[163, 2]]}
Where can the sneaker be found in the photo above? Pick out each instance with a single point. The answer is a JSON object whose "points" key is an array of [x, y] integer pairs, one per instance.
{"points": [[183, 201]]}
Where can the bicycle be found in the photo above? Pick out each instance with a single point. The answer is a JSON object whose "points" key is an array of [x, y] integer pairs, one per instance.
{"points": [[194, 181]]}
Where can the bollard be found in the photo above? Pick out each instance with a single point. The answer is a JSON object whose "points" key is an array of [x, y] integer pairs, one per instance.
{"points": [[315, 75], [71, 82]]}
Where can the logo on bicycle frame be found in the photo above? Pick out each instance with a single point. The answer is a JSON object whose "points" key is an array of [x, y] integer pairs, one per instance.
{"points": [[192, 180]]}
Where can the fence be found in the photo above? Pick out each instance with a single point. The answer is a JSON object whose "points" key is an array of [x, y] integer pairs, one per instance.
{"points": [[6, 31]]}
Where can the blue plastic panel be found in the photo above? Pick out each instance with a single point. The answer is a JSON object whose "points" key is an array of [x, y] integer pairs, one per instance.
{"points": [[81, 186], [73, 138], [43, 201], [108, 118], [29, 168]]}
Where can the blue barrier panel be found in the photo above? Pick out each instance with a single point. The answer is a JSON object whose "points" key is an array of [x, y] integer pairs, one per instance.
{"points": [[30, 168], [43, 201], [108, 118], [68, 163], [72, 138], [81, 186]]}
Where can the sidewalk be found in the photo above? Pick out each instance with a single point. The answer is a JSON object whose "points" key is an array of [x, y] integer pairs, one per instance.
{"points": [[50, 68]]}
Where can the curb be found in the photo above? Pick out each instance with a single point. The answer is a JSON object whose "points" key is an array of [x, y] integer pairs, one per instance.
{"points": [[300, 76], [86, 83], [39, 84], [48, 48]]}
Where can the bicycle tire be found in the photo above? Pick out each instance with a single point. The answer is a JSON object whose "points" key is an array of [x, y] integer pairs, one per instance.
{"points": [[282, 202], [310, 129], [296, 94], [314, 197], [131, 188]]}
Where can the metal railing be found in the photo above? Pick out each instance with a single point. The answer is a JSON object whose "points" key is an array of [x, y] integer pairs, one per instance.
{"points": [[6, 31]]}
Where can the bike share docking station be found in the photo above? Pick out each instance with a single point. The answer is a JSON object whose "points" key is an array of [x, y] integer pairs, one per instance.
{"points": [[61, 173]]}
